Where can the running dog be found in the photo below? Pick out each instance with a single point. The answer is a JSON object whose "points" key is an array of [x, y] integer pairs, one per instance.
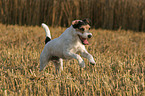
{"points": [[71, 42]]}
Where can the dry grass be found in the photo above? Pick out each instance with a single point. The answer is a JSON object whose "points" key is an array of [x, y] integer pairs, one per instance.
{"points": [[119, 55]]}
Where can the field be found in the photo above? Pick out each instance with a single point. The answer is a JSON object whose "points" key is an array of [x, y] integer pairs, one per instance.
{"points": [[119, 54]]}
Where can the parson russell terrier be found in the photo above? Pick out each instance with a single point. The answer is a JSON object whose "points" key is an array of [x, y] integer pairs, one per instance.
{"points": [[71, 42]]}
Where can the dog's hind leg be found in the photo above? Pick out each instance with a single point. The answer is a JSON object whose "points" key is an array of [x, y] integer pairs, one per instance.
{"points": [[43, 62], [42, 65], [58, 65]]}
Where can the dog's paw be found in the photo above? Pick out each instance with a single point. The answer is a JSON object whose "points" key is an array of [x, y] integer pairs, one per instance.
{"points": [[82, 64], [92, 62]]}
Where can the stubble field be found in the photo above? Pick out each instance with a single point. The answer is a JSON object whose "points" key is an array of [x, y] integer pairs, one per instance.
{"points": [[119, 69]]}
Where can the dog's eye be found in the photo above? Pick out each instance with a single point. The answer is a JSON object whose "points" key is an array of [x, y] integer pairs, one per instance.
{"points": [[89, 28], [82, 29]]}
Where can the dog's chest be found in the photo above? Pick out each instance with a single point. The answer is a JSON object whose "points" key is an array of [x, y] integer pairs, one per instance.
{"points": [[75, 48]]}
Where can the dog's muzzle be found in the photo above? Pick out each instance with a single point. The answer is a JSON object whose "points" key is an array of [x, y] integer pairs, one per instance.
{"points": [[89, 36], [84, 40]]}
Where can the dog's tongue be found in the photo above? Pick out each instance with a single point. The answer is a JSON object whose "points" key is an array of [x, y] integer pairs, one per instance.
{"points": [[85, 41]]}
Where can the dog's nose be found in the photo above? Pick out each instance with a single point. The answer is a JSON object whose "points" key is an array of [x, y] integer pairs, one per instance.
{"points": [[89, 36]]}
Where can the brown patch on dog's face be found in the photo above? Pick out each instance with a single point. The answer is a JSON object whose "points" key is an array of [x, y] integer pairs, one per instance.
{"points": [[79, 23], [84, 28]]}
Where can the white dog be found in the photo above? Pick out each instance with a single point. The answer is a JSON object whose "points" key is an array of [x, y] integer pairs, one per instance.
{"points": [[67, 46]]}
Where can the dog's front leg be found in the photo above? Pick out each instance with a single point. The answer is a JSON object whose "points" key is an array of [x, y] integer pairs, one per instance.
{"points": [[87, 55], [75, 56]]}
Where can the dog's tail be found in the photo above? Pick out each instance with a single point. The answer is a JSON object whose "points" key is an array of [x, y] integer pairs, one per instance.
{"points": [[47, 31]]}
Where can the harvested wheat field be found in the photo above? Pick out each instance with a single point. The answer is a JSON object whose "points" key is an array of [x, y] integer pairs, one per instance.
{"points": [[119, 69]]}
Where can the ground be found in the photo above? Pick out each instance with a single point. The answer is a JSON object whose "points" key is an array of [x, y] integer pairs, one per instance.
{"points": [[119, 69]]}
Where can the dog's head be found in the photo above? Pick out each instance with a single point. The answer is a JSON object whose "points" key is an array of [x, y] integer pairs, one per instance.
{"points": [[82, 28]]}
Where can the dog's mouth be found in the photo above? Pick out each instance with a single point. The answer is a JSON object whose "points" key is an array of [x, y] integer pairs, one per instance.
{"points": [[84, 40]]}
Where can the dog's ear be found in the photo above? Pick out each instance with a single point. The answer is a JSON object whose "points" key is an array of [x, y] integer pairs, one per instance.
{"points": [[87, 21], [75, 23]]}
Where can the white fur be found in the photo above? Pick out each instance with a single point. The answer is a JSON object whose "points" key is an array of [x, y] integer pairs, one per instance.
{"points": [[47, 31], [85, 34], [65, 47]]}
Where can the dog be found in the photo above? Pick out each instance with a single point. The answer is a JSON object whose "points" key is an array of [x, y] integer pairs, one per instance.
{"points": [[70, 42]]}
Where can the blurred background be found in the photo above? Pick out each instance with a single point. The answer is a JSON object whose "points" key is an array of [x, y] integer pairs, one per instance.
{"points": [[106, 14]]}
